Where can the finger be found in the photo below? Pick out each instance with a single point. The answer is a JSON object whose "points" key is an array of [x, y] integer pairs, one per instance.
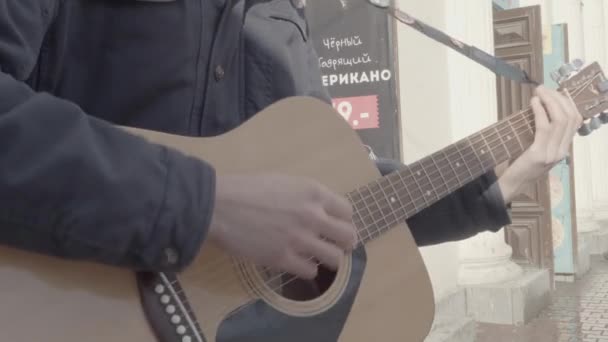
{"points": [[343, 233], [562, 126], [578, 116], [337, 206], [299, 266], [575, 120], [327, 253], [572, 108], [558, 124], [336, 220], [541, 121], [570, 115]]}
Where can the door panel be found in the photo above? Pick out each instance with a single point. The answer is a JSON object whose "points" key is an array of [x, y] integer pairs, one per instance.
{"points": [[518, 40]]}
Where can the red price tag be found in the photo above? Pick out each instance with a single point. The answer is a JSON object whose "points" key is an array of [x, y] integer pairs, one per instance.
{"points": [[360, 112]]}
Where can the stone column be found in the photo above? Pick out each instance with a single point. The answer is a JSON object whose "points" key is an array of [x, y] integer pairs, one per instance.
{"points": [[593, 26], [585, 219], [485, 258], [491, 279], [596, 212], [571, 13]]}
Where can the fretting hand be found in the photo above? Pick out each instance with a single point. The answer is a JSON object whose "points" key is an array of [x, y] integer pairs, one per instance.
{"points": [[557, 120]]}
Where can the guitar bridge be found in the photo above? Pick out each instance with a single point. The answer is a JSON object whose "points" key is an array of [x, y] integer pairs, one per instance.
{"points": [[166, 308]]}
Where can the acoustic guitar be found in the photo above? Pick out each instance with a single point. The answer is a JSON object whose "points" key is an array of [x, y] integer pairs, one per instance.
{"points": [[381, 292]]}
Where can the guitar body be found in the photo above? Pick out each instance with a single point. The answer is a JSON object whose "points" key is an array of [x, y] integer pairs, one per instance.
{"points": [[382, 292]]}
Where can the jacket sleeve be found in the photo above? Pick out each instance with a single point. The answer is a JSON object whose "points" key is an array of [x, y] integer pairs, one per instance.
{"points": [[474, 208], [77, 187]]}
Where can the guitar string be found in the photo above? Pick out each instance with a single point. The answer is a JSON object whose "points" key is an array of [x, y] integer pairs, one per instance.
{"points": [[493, 134], [440, 166], [239, 285], [401, 184], [276, 288], [525, 116], [292, 278], [360, 230], [227, 258], [359, 202], [436, 170]]}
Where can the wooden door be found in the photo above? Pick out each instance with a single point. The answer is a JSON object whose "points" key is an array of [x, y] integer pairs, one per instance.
{"points": [[518, 40]]}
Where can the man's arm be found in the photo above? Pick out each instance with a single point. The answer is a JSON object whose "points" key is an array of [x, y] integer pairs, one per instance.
{"points": [[481, 205], [476, 207], [77, 187]]}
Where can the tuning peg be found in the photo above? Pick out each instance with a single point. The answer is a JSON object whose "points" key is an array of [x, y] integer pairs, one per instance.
{"points": [[585, 130], [602, 87], [595, 123], [577, 64], [566, 69], [604, 117], [556, 77]]}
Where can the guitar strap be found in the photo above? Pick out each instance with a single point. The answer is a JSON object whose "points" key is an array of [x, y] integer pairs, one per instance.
{"points": [[496, 65]]}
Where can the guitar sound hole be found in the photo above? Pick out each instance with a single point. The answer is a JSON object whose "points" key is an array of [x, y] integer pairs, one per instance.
{"points": [[296, 289]]}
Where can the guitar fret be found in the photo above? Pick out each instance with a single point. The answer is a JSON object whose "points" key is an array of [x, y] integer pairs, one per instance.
{"points": [[523, 133], [486, 156], [455, 163], [445, 183], [474, 163], [380, 197], [369, 211], [451, 165], [357, 212], [375, 209], [433, 174], [507, 141], [381, 217], [503, 144], [419, 188], [391, 200], [430, 184], [528, 127], [472, 147], [485, 141], [466, 164], [357, 209], [407, 190], [514, 146], [510, 141], [402, 208]]}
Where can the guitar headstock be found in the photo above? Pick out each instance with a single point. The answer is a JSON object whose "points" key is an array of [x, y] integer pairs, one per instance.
{"points": [[588, 88]]}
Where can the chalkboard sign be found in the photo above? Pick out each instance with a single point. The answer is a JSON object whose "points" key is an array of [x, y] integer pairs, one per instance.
{"points": [[354, 41]]}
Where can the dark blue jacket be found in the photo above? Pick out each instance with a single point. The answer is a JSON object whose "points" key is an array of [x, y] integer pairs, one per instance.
{"points": [[74, 186]]}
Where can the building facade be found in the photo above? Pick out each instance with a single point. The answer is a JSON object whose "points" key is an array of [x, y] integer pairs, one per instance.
{"points": [[504, 277]]}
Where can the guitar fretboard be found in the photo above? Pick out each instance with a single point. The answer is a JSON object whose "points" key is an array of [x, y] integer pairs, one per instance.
{"points": [[382, 204]]}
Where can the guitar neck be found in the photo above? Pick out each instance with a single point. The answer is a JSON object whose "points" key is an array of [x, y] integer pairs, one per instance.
{"points": [[381, 205]]}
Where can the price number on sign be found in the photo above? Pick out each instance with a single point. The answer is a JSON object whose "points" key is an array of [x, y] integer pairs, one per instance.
{"points": [[360, 112]]}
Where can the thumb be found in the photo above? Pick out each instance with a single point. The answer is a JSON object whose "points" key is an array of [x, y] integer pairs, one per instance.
{"points": [[541, 121]]}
